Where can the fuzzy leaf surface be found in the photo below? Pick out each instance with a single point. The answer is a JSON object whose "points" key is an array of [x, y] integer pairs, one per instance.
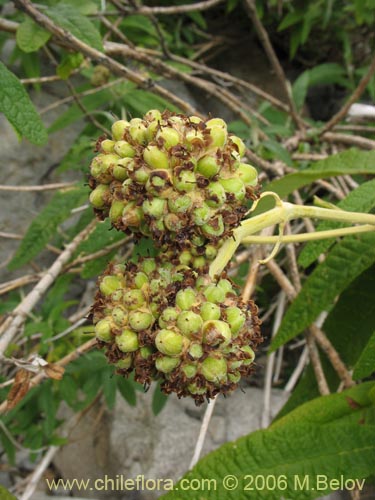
{"points": [[30, 36]]}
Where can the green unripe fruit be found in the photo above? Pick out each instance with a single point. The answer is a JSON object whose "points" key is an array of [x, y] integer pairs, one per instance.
{"points": [[215, 227], [209, 310], [185, 298], [134, 299], [201, 214], [225, 285], [103, 330], [120, 171], [215, 294], [169, 315], [208, 166], [119, 316], [132, 215], [153, 115], [127, 341], [118, 129], [148, 266], [107, 146], [211, 252], [195, 119], [169, 135], [186, 181], [118, 269], [248, 174], [190, 370], [236, 318], [154, 207], [152, 128], [185, 257], [140, 320], [216, 332], [145, 352], [218, 132], [214, 369], [117, 296], [115, 212], [99, 195], [138, 131], [216, 195], [239, 143], [109, 284], [234, 186], [124, 363], [195, 351], [155, 158], [194, 137], [142, 174], [165, 364], [199, 262], [189, 322], [180, 204], [169, 342], [250, 355], [234, 365], [140, 279], [234, 377], [124, 149], [194, 389]]}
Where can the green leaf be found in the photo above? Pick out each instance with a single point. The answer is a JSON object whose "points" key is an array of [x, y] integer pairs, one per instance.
{"points": [[159, 400], [96, 266], [68, 64], [299, 89], [361, 199], [44, 225], [366, 363], [140, 101], [18, 108], [290, 19], [127, 390], [30, 36], [280, 152], [328, 73], [77, 24], [109, 388], [140, 30], [102, 236], [347, 260], [5, 495]]}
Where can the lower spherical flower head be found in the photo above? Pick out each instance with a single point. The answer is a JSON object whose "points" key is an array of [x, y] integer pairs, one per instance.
{"points": [[214, 369], [155, 157], [185, 181], [165, 364], [241, 148], [118, 129], [140, 279], [190, 370], [154, 207], [103, 330], [250, 355], [134, 299], [235, 186], [208, 166], [216, 195], [124, 363], [209, 310], [124, 149], [235, 318], [110, 284], [189, 322], [195, 350], [119, 315], [214, 228], [140, 320], [185, 298], [248, 174], [99, 196], [168, 316], [169, 342], [127, 341], [169, 136], [107, 146], [180, 204], [116, 210], [138, 131], [216, 332], [201, 215], [215, 294]]}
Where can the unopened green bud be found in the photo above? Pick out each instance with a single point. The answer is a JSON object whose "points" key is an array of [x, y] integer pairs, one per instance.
{"points": [[107, 146], [155, 158], [118, 129], [198, 240], [234, 186], [218, 132], [208, 166], [117, 295], [214, 369], [127, 341], [169, 315], [119, 316], [140, 320], [124, 363], [201, 214], [186, 181], [99, 196], [250, 355], [158, 182], [134, 299], [214, 293], [216, 332], [103, 330], [165, 364], [234, 365], [209, 310], [195, 351], [185, 298], [180, 204], [154, 207], [124, 149], [109, 284], [120, 172], [236, 318], [216, 195], [189, 322], [239, 143], [189, 370], [169, 135], [215, 227], [248, 174], [152, 128], [115, 212], [169, 342]]}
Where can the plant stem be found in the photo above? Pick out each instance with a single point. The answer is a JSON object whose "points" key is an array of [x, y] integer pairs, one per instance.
{"points": [[280, 214]]}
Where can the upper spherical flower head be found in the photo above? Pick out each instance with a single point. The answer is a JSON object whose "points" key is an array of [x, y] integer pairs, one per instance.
{"points": [[165, 321], [181, 180]]}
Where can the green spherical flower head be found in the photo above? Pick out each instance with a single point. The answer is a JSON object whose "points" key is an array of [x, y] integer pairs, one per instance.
{"points": [[239, 144], [155, 157], [140, 320], [214, 369], [248, 174], [235, 186], [169, 342], [185, 298], [134, 299], [169, 137], [190, 370], [250, 355], [99, 196], [124, 149], [119, 315], [216, 195], [109, 284], [165, 364], [103, 330], [118, 129], [124, 363], [218, 131], [127, 341], [154, 207], [208, 166], [236, 318], [216, 332], [116, 210], [189, 322], [209, 310], [140, 279], [215, 294], [180, 204], [168, 316]]}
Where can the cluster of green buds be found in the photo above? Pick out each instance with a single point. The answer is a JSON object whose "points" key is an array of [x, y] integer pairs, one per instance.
{"points": [[170, 323], [180, 180]]}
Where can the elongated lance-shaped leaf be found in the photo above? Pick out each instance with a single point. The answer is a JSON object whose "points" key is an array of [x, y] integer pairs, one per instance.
{"points": [[347, 260], [366, 363]]}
